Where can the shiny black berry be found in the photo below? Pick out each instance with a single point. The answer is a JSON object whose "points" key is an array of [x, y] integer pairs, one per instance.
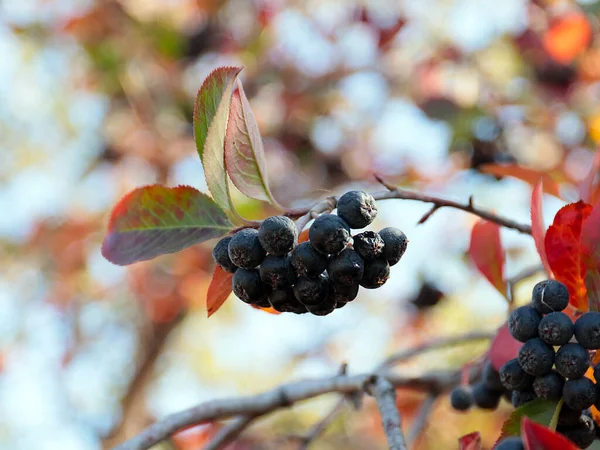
{"points": [[395, 244], [357, 208], [572, 360], [461, 398], [513, 376], [277, 271], [582, 434], [324, 308], [536, 357], [510, 443], [556, 328], [248, 286], [312, 291], [580, 393], [549, 386], [278, 235], [523, 323], [329, 234], [377, 272], [284, 300], [369, 245], [307, 261], [520, 398], [343, 294], [346, 268], [549, 296], [587, 330], [491, 377], [485, 398], [245, 250], [221, 255]]}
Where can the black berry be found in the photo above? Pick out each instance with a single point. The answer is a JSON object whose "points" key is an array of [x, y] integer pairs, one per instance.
{"points": [[582, 434], [278, 235], [485, 398], [284, 300], [323, 308], [572, 360], [307, 261], [549, 386], [587, 330], [523, 323], [245, 250], [221, 255], [579, 394], [513, 376], [357, 208], [395, 244], [346, 268], [536, 357], [377, 272], [597, 373], [491, 377], [549, 296], [568, 416], [248, 286], [277, 271], [343, 294], [369, 245], [510, 443], [556, 328], [520, 398], [329, 234], [461, 398], [312, 291]]}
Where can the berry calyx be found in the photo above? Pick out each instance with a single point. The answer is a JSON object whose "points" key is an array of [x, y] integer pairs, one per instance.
{"points": [[572, 360], [536, 357], [523, 323], [278, 235], [550, 296], [329, 234], [369, 245], [556, 328], [357, 208]]}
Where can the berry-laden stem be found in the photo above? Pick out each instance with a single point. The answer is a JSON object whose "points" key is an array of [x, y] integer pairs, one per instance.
{"points": [[385, 395], [304, 215]]}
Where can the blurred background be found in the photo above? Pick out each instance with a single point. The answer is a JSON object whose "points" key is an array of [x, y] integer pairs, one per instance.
{"points": [[96, 98]]}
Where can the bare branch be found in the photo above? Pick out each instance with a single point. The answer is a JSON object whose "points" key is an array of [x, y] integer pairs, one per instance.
{"points": [[229, 432], [523, 275], [422, 417], [385, 395], [321, 425]]}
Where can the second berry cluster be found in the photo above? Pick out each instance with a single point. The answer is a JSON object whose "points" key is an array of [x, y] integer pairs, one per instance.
{"points": [[324, 273]]}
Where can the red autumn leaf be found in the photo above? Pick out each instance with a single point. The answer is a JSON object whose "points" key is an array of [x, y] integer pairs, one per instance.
{"points": [[487, 253], [504, 347], [564, 252], [590, 254], [470, 441], [303, 237], [568, 37], [218, 290], [586, 187], [524, 174], [539, 437], [538, 230]]}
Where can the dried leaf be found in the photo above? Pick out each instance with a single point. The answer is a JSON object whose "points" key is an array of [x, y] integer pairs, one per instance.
{"points": [[218, 290], [525, 174], [487, 253], [537, 224]]}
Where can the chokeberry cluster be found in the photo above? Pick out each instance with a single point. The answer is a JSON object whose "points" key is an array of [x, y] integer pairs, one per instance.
{"points": [[270, 268]]}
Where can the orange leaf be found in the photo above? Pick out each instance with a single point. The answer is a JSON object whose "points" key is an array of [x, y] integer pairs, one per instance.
{"points": [[564, 252], [267, 310], [487, 253], [504, 347], [539, 437], [538, 230], [568, 37], [470, 441], [303, 237], [524, 174], [218, 290]]}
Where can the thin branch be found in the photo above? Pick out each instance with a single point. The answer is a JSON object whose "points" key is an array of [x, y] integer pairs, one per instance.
{"points": [[435, 345], [422, 418], [229, 432], [516, 279], [385, 395], [283, 396], [304, 214], [320, 427]]}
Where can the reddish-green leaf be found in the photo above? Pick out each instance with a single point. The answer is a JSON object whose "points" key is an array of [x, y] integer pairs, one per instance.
{"points": [[590, 253], [564, 252], [586, 187], [504, 347], [487, 253], [211, 111], [539, 437], [538, 410], [470, 441], [524, 174], [154, 220], [538, 230], [218, 290], [244, 152]]}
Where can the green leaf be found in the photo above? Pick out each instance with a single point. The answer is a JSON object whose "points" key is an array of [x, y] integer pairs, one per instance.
{"points": [[538, 410], [155, 220], [244, 152], [211, 111]]}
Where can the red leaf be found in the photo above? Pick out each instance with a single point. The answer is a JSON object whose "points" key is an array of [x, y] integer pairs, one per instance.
{"points": [[487, 253], [155, 220], [524, 174], [568, 37], [218, 290], [586, 187], [563, 249], [504, 347], [539, 437], [470, 441], [537, 224], [590, 253]]}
